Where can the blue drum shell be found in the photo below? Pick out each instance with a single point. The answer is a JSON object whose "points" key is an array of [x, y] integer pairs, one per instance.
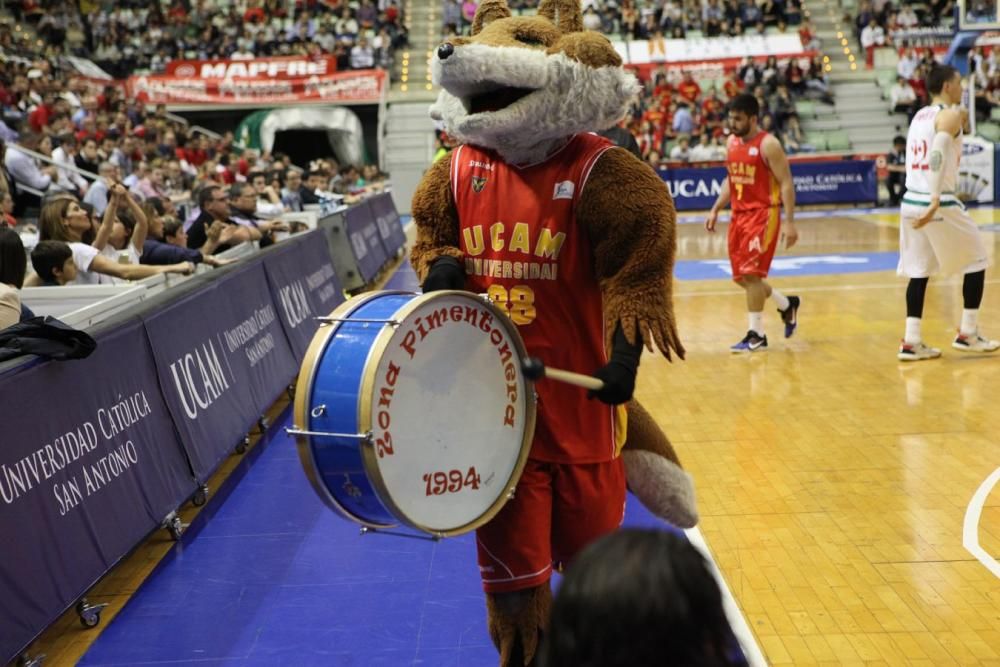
{"points": [[337, 385]]}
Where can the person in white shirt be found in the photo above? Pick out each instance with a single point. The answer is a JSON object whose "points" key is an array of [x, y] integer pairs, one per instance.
{"points": [[65, 154], [682, 151], [25, 170], [872, 37], [936, 233], [703, 151], [908, 64], [902, 97]]}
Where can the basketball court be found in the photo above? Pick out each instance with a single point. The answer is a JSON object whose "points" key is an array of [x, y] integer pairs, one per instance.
{"points": [[847, 498]]}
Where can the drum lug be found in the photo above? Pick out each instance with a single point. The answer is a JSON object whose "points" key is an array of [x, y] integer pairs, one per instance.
{"points": [[318, 411]]}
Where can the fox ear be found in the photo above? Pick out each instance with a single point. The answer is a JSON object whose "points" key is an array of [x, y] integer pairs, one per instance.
{"points": [[565, 14], [487, 12]]}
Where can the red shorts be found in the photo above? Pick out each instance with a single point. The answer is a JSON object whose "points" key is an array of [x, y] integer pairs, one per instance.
{"points": [[557, 510], [753, 238]]}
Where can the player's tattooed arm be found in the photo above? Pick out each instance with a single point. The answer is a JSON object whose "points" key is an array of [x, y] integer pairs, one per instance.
{"points": [[937, 160]]}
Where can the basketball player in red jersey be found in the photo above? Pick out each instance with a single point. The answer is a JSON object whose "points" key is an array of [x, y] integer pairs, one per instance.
{"points": [[759, 181]]}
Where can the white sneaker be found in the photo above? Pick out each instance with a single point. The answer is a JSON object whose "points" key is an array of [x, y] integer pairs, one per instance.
{"points": [[975, 343], [916, 352]]}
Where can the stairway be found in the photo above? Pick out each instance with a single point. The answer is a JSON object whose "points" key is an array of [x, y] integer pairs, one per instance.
{"points": [[860, 109]]}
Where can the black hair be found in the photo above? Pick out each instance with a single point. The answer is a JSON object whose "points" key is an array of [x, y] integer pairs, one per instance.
{"points": [[48, 256], [13, 261], [171, 227], [205, 195], [638, 598], [938, 76], [745, 103], [898, 139]]}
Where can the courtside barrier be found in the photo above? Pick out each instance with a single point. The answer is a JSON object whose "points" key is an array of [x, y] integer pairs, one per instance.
{"points": [[816, 182], [98, 453]]}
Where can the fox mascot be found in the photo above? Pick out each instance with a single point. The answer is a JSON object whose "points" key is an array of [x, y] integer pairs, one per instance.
{"points": [[576, 239]]}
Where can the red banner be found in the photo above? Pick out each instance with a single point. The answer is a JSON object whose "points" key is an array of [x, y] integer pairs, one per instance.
{"points": [[293, 67], [354, 87]]}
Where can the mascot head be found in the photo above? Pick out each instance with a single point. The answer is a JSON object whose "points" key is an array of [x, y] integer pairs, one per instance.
{"points": [[520, 85]]}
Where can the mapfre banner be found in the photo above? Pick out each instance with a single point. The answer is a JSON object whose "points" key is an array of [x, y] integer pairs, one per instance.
{"points": [[258, 68], [354, 87]]}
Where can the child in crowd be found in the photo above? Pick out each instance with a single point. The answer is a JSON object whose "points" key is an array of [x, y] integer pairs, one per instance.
{"points": [[53, 262]]}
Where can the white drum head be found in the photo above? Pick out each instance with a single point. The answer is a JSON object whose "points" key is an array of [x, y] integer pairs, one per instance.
{"points": [[450, 412]]}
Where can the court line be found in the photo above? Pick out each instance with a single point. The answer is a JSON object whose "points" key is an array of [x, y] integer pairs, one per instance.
{"points": [[737, 621], [970, 529], [826, 288]]}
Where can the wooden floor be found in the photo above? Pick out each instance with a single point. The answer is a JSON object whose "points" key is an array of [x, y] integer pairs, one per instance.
{"points": [[834, 480]]}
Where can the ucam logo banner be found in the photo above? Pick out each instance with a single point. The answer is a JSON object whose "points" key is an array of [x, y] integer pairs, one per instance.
{"points": [[793, 265], [831, 182]]}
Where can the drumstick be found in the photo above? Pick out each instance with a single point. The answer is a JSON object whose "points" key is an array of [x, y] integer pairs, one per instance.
{"points": [[534, 369]]}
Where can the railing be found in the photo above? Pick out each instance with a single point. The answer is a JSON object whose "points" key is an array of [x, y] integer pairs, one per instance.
{"points": [[45, 158]]}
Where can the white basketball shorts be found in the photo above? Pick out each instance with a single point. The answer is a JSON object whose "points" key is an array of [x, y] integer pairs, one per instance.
{"points": [[950, 243]]}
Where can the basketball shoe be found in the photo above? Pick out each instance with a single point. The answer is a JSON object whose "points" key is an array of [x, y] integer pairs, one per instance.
{"points": [[790, 315], [916, 352], [974, 343], [752, 342]]}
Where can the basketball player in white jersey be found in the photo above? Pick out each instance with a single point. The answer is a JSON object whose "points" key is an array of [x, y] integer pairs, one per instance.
{"points": [[936, 234]]}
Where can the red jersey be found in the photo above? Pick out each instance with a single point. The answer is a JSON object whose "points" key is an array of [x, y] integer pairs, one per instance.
{"points": [[524, 248], [689, 90], [751, 183]]}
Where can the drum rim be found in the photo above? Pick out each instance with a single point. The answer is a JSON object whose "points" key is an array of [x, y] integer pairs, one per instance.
{"points": [[368, 382], [303, 397]]}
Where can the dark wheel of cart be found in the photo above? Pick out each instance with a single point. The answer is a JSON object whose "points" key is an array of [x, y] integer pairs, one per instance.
{"points": [[242, 445], [200, 497]]}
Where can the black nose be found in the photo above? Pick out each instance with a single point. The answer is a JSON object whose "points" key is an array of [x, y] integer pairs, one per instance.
{"points": [[445, 50]]}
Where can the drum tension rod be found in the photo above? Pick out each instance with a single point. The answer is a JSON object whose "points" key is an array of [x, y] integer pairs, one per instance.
{"points": [[430, 538], [295, 430], [328, 320]]}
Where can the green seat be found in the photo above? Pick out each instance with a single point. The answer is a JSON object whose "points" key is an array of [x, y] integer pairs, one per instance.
{"points": [[817, 140], [838, 140], [886, 79], [989, 131], [805, 108], [995, 113]]}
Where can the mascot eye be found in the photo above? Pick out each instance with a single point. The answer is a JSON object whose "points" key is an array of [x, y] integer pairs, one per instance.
{"points": [[528, 40]]}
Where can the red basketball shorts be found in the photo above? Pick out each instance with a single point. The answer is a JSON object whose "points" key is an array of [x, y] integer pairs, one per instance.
{"points": [[557, 510], [753, 238]]}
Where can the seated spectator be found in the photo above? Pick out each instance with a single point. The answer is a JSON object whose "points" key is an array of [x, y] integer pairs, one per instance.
{"points": [[88, 158], [214, 204], [7, 210], [65, 220], [97, 194], [895, 182], [65, 155], [53, 263], [13, 263], [702, 151], [683, 122], [243, 210], [902, 97], [268, 200], [159, 250], [682, 151], [793, 138], [639, 598], [362, 54], [872, 37], [291, 194], [25, 170], [810, 40]]}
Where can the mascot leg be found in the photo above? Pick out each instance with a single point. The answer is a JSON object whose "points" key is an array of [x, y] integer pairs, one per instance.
{"points": [[517, 621], [654, 472]]}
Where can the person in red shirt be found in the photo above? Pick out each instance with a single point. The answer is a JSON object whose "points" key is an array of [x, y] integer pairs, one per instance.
{"points": [[733, 86], [759, 182], [688, 88]]}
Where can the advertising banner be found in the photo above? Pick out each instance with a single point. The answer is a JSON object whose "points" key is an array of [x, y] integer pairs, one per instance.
{"points": [[293, 67], [354, 87], [366, 244], [304, 286], [390, 227], [976, 170], [709, 48], [89, 465], [832, 182], [222, 358]]}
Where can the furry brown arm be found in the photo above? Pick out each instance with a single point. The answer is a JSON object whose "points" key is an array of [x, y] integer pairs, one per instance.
{"points": [[436, 218], [632, 224]]}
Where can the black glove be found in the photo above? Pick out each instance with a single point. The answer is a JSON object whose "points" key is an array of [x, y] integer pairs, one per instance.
{"points": [[446, 273], [619, 373]]}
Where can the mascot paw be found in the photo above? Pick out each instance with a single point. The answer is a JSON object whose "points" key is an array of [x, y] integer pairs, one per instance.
{"points": [[662, 486]]}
